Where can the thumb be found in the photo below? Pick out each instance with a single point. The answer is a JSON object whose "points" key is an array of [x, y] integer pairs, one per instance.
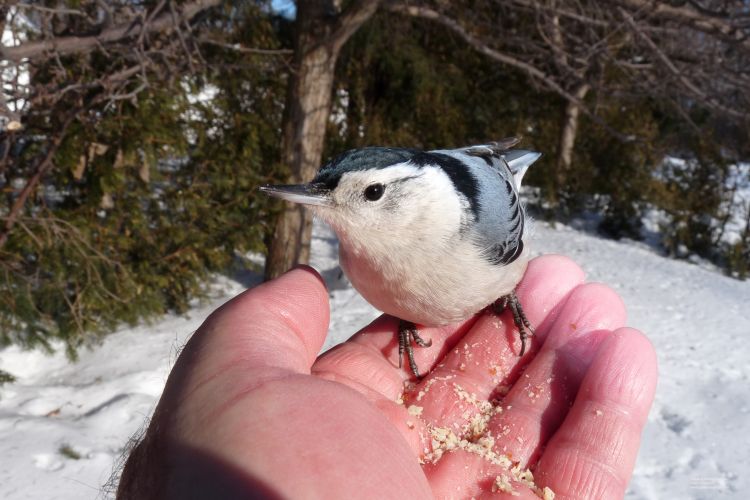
{"points": [[281, 323]]}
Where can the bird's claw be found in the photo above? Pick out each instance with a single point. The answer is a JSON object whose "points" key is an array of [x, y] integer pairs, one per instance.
{"points": [[525, 329], [407, 332]]}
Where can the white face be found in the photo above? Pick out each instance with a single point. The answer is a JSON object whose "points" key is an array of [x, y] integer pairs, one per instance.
{"points": [[404, 200]]}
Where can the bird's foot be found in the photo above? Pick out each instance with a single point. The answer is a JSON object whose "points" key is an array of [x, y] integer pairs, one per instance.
{"points": [[407, 332], [519, 317]]}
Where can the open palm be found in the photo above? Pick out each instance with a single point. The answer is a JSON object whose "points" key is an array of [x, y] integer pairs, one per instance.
{"points": [[251, 411]]}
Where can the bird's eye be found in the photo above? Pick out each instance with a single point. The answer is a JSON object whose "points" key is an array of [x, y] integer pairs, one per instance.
{"points": [[374, 192]]}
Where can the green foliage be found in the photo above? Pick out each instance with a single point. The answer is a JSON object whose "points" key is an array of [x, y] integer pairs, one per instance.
{"points": [[621, 171], [738, 258], [69, 452], [692, 196], [146, 199], [6, 378], [149, 196], [404, 82]]}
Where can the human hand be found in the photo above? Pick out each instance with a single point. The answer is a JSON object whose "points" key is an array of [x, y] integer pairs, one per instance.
{"points": [[248, 410]]}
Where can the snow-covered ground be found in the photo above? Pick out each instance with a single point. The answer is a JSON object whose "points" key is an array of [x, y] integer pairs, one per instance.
{"points": [[63, 426]]}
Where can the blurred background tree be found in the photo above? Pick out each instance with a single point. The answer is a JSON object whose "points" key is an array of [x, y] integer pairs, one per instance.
{"points": [[134, 135], [137, 135]]}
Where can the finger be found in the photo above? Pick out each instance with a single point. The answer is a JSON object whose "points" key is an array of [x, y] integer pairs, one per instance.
{"points": [[539, 401], [280, 325], [368, 359], [455, 394], [593, 453]]}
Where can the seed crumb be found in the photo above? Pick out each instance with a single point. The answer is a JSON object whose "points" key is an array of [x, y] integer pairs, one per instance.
{"points": [[415, 410], [502, 484]]}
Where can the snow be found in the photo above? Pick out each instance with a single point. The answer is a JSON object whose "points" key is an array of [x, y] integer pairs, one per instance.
{"points": [[64, 426]]}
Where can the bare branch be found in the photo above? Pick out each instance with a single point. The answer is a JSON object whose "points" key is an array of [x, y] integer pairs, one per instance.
{"points": [[692, 17], [74, 44], [250, 50], [51, 10], [689, 85], [533, 71], [351, 19]]}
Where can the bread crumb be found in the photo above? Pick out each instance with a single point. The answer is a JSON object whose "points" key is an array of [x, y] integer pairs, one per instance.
{"points": [[599, 413], [502, 484], [415, 410], [548, 494], [400, 399], [525, 476]]}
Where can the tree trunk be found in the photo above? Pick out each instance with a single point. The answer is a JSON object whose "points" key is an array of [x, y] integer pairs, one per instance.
{"points": [[568, 134], [320, 37], [308, 108]]}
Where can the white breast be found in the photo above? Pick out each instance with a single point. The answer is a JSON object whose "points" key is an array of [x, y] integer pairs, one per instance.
{"points": [[431, 285]]}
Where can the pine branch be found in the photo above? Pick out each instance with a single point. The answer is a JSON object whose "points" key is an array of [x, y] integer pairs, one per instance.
{"points": [[44, 165]]}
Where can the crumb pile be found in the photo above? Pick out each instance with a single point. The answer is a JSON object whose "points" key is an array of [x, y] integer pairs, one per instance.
{"points": [[473, 437]]}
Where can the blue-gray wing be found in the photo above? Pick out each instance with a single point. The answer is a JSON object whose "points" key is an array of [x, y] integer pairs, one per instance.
{"points": [[499, 224], [511, 246], [502, 220]]}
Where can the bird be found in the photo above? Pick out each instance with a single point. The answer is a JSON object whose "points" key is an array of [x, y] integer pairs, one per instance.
{"points": [[429, 237]]}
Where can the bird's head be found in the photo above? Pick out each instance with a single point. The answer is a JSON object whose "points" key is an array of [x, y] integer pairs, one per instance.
{"points": [[374, 192]]}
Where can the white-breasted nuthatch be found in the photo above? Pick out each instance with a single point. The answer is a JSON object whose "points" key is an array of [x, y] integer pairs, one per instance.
{"points": [[430, 237]]}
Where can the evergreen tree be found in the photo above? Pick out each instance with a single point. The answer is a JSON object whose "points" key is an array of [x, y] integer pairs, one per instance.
{"points": [[137, 189]]}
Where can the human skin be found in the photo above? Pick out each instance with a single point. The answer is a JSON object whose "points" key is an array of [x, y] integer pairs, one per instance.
{"points": [[251, 411]]}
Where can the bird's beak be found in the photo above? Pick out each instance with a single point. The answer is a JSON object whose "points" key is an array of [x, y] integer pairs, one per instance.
{"points": [[305, 194]]}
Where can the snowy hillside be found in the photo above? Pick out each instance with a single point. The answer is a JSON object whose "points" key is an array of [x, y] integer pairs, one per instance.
{"points": [[63, 426]]}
